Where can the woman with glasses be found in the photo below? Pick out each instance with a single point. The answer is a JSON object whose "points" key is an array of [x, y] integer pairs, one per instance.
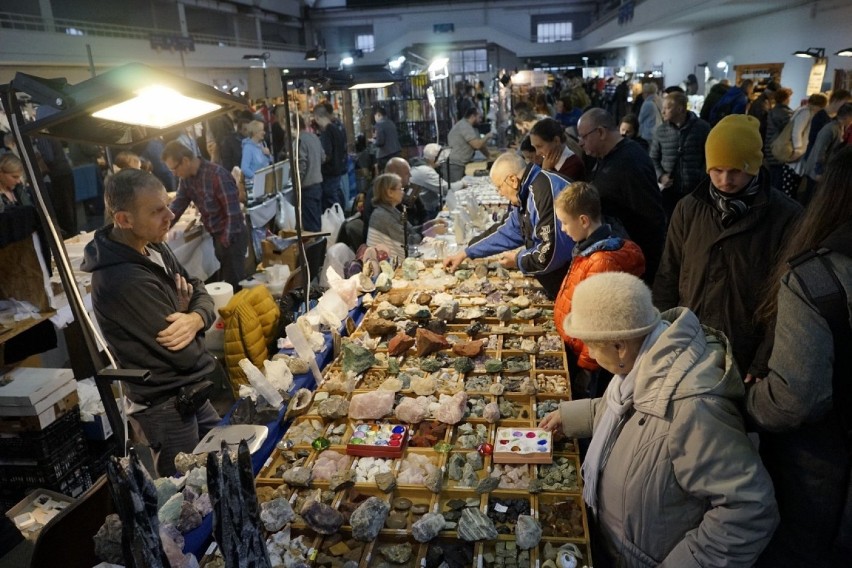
{"points": [[387, 225]]}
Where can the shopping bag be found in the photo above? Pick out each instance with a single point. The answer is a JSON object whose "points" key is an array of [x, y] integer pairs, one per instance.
{"points": [[331, 222]]}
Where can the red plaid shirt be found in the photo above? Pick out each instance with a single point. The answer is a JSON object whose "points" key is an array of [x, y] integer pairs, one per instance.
{"points": [[214, 193]]}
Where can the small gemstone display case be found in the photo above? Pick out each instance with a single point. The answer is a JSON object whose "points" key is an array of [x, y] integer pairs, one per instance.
{"points": [[522, 445]]}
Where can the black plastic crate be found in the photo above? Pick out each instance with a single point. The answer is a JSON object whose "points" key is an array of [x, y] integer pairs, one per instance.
{"points": [[48, 471], [41, 445], [73, 484]]}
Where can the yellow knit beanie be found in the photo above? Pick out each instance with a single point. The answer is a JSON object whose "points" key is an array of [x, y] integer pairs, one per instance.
{"points": [[735, 143]]}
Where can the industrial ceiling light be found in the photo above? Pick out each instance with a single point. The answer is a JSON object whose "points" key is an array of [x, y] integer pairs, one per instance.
{"points": [[817, 52], [845, 52], [124, 106], [347, 61], [313, 54], [438, 68], [357, 86], [395, 64]]}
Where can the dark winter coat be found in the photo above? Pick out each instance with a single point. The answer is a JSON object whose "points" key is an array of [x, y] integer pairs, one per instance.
{"points": [[132, 296], [802, 442], [720, 273], [679, 152], [776, 120]]}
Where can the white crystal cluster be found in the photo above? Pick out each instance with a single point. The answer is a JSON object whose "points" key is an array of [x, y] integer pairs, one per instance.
{"points": [[328, 463], [367, 468]]}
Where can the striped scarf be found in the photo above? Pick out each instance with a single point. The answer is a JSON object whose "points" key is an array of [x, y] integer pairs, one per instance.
{"points": [[734, 207]]}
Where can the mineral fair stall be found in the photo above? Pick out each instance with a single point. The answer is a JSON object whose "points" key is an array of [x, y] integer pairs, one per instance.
{"points": [[420, 445]]}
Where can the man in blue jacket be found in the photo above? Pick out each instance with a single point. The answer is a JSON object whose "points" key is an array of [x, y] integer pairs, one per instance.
{"points": [[531, 224]]}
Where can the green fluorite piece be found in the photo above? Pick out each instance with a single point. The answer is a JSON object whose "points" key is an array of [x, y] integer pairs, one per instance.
{"points": [[493, 365], [393, 367], [442, 447], [357, 358], [430, 365], [463, 364], [320, 444]]}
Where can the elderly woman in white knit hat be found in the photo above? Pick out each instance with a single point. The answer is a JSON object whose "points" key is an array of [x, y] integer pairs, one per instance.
{"points": [[670, 476]]}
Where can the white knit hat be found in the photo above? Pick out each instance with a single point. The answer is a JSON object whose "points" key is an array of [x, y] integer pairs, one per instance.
{"points": [[611, 306]]}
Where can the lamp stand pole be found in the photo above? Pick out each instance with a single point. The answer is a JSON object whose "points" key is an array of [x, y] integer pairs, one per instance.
{"points": [[297, 189]]}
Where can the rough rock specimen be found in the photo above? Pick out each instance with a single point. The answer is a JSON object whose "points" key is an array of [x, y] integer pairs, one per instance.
{"points": [[417, 312], [341, 480], [371, 405], [504, 313], [423, 386], [357, 359], [528, 314], [397, 297], [447, 311], [399, 344], [438, 326], [431, 365], [369, 518], [275, 514], [321, 517], [108, 540], [474, 525], [333, 407], [428, 342], [451, 409], [423, 298], [463, 365], [487, 484], [427, 527], [493, 366], [412, 411], [391, 384], [527, 532], [396, 553], [298, 477], [468, 348], [491, 413], [386, 482], [379, 327]]}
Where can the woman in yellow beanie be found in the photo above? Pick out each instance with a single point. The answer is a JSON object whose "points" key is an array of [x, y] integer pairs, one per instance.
{"points": [[722, 242]]}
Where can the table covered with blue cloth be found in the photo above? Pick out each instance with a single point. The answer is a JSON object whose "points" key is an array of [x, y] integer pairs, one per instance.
{"points": [[196, 540]]}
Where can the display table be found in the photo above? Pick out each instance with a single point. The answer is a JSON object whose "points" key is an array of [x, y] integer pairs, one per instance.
{"points": [[197, 540], [519, 368]]}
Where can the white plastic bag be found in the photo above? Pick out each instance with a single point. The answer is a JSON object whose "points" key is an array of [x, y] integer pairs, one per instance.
{"points": [[331, 222], [336, 257], [285, 219]]}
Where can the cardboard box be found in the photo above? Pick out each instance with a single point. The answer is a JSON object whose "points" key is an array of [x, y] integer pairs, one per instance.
{"points": [[289, 256], [19, 424], [100, 429], [27, 391]]}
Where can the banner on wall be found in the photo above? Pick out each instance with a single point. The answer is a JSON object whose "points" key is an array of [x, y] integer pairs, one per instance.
{"points": [[817, 75]]}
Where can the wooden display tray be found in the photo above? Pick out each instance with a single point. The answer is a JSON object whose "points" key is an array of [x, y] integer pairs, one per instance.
{"points": [[504, 452]]}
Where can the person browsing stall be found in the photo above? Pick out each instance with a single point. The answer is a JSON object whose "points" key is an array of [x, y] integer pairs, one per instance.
{"points": [[550, 142], [214, 193], [387, 226], [723, 240], [464, 140], [531, 224], [597, 249], [255, 153], [670, 476], [153, 315], [801, 409]]}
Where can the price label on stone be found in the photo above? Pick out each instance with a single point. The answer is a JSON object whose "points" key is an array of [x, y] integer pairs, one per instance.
{"points": [[500, 507]]}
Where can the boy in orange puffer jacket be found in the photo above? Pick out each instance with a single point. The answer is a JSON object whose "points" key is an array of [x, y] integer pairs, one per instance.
{"points": [[578, 208]]}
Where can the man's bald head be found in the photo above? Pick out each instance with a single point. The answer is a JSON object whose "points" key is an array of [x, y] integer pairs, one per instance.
{"points": [[505, 165], [401, 168]]}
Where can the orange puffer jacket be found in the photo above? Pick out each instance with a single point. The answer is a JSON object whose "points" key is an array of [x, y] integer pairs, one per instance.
{"points": [[612, 254]]}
